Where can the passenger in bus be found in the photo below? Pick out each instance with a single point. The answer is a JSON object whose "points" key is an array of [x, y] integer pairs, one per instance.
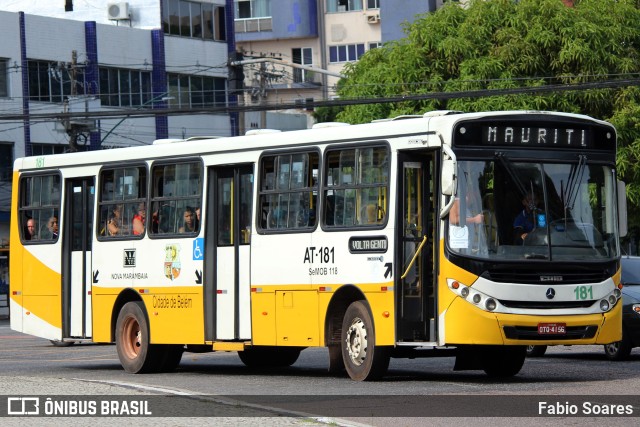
{"points": [[197, 218], [189, 225], [454, 214], [529, 218], [139, 220], [114, 223], [31, 230], [51, 232]]}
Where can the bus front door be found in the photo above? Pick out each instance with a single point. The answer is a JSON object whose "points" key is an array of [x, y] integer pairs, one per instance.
{"points": [[76, 264], [228, 252], [415, 275]]}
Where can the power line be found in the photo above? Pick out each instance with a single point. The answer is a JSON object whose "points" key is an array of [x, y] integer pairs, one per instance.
{"points": [[266, 106]]}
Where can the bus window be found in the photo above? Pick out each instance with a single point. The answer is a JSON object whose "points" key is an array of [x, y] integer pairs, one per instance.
{"points": [[176, 198], [356, 187], [288, 191], [39, 208], [122, 201]]}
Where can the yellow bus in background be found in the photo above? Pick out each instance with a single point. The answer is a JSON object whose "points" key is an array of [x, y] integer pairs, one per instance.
{"points": [[396, 238]]}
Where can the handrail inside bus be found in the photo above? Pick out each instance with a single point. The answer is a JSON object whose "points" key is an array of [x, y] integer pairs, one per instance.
{"points": [[452, 155], [424, 240]]}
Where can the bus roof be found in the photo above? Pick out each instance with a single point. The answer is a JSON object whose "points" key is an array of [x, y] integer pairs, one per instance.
{"points": [[172, 148]]}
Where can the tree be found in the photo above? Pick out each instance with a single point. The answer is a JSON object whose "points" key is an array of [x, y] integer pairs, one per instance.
{"points": [[503, 44]]}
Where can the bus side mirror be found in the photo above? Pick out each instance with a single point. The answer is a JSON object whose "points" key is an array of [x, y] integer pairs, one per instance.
{"points": [[622, 209], [448, 177]]}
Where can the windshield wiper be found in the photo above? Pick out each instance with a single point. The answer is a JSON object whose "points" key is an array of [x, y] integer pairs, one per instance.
{"points": [[575, 178], [506, 163]]}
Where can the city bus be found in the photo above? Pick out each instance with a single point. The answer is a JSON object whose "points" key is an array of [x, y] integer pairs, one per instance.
{"points": [[396, 238]]}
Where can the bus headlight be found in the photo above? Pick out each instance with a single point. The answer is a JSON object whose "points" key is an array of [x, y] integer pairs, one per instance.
{"points": [[604, 305], [476, 298], [617, 293], [464, 292], [612, 299], [490, 304]]}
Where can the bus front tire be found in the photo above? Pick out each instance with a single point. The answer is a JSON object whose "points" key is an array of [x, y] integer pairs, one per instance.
{"points": [[504, 361], [136, 354], [536, 350], [363, 360], [619, 350]]}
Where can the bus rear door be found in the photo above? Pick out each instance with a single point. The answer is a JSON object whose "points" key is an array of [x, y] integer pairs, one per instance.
{"points": [[228, 255]]}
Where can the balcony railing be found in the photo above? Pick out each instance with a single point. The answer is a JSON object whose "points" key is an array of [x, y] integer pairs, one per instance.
{"points": [[253, 25]]}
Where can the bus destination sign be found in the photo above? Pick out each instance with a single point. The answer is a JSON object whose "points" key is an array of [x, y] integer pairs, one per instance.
{"points": [[537, 136], [368, 244]]}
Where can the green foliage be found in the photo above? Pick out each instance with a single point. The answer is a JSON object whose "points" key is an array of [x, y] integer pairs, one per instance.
{"points": [[503, 44]]}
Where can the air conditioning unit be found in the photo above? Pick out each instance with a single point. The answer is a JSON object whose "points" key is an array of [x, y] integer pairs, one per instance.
{"points": [[373, 19], [118, 11]]}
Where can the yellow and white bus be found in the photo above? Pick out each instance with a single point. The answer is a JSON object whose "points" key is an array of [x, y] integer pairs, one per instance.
{"points": [[398, 238]]}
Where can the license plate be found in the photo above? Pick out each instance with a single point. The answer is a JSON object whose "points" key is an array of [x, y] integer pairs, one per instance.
{"points": [[552, 328]]}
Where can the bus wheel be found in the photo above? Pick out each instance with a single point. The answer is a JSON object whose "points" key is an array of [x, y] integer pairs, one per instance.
{"points": [[619, 350], [536, 350], [269, 357], [58, 343], [362, 359], [504, 361], [132, 340]]}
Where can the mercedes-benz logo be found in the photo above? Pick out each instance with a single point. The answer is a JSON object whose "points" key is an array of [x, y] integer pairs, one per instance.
{"points": [[550, 293]]}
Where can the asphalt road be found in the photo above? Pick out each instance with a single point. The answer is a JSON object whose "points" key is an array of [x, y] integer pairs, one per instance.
{"points": [[218, 387]]}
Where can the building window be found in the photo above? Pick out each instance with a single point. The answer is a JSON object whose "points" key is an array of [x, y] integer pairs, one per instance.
{"points": [[6, 175], [288, 191], [252, 9], [343, 5], [196, 91], [52, 82], [373, 4], [193, 19], [46, 149], [374, 45], [125, 88], [302, 56], [4, 78], [346, 53]]}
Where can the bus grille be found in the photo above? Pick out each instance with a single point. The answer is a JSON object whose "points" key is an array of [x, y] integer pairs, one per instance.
{"points": [[568, 278], [547, 305], [531, 333]]}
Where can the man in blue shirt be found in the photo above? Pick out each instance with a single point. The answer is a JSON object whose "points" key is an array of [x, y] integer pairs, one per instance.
{"points": [[528, 218]]}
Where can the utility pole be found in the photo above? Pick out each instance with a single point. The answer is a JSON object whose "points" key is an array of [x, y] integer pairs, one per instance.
{"points": [[236, 84], [75, 129]]}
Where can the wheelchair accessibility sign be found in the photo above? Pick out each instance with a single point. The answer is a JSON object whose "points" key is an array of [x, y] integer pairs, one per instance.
{"points": [[198, 249]]}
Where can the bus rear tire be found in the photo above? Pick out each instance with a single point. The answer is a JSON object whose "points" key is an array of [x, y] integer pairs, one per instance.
{"points": [[269, 357], [136, 354], [504, 361], [363, 360]]}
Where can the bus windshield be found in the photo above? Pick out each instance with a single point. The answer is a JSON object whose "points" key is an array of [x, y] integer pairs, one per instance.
{"points": [[514, 210]]}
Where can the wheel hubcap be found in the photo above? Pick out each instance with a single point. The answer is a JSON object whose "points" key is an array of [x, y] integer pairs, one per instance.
{"points": [[357, 342], [612, 348], [132, 338]]}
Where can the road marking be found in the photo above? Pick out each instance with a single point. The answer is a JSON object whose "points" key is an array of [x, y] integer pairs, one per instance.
{"points": [[139, 387]]}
